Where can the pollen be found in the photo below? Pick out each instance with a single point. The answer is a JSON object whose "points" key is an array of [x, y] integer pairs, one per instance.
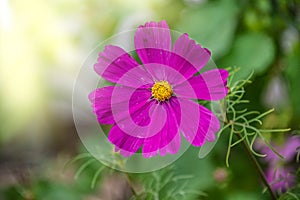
{"points": [[161, 90]]}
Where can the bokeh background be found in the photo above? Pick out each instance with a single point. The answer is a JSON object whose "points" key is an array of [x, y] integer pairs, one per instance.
{"points": [[44, 43]]}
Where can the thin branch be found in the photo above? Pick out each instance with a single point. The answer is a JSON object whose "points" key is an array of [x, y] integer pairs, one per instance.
{"points": [[131, 185], [258, 168]]}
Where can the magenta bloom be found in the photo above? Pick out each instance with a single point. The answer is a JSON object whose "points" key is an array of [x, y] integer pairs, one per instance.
{"points": [[288, 150], [280, 173], [281, 178], [153, 103]]}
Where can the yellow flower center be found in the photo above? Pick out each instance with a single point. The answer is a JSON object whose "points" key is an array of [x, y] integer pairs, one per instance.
{"points": [[161, 90]]}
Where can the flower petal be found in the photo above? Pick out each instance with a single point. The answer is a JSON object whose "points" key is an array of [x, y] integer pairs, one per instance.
{"points": [[153, 42], [163, 72], [110, 104], [139, 106], [101, 103], [136, 77], [188, 57], [281, 178], [113, 63], [209, 125], [288, 150], [210, 85], [135, 113], [292, 147], [126, 153], [123, 141], [197, 122], [129, 104], [166, 140], [165, 137], [173, 147]]}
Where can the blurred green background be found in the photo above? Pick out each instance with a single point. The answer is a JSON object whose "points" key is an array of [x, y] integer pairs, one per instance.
{"points": [[43, 44]]}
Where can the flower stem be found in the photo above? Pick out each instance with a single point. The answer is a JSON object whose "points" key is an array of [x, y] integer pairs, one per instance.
{"points": [[258, 168], [128, 179], [131, 185]]}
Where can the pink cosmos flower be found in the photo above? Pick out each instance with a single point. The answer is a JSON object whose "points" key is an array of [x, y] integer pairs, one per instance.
{"points": [[153, 102], [288, 150], [280, 173], [281, 178]]}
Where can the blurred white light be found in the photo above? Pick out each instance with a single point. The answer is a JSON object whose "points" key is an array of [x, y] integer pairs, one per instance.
{"points": [[5, 14]]}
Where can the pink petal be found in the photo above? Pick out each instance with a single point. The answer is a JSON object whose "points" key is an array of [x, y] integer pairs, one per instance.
{"points": [[209, 125], [138, 112], [111, 104], [173, 147], [290, 148], [197, 122], [113, 63], [136, 77], [281, 178], [131, 104], [210, 85], [166, 140], [101, 103], [139, 106], [153, 42], [188, 57], [163, 72], [135, 113], [126, 153], [167, 135], [121, 140]]}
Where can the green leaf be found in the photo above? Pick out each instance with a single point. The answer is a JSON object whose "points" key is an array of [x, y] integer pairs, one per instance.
{"points": [[252, 52], [212, 25], [292, 72]]}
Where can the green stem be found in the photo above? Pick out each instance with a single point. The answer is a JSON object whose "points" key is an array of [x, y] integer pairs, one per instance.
{"points": [[258, 168], [131, 185], [128, 179]]}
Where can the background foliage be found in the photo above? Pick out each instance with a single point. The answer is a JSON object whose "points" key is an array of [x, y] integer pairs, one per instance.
{"points": [[43, 44]]}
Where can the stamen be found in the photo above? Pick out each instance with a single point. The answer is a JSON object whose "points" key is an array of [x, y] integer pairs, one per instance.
{"points": [[161, 90]]}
